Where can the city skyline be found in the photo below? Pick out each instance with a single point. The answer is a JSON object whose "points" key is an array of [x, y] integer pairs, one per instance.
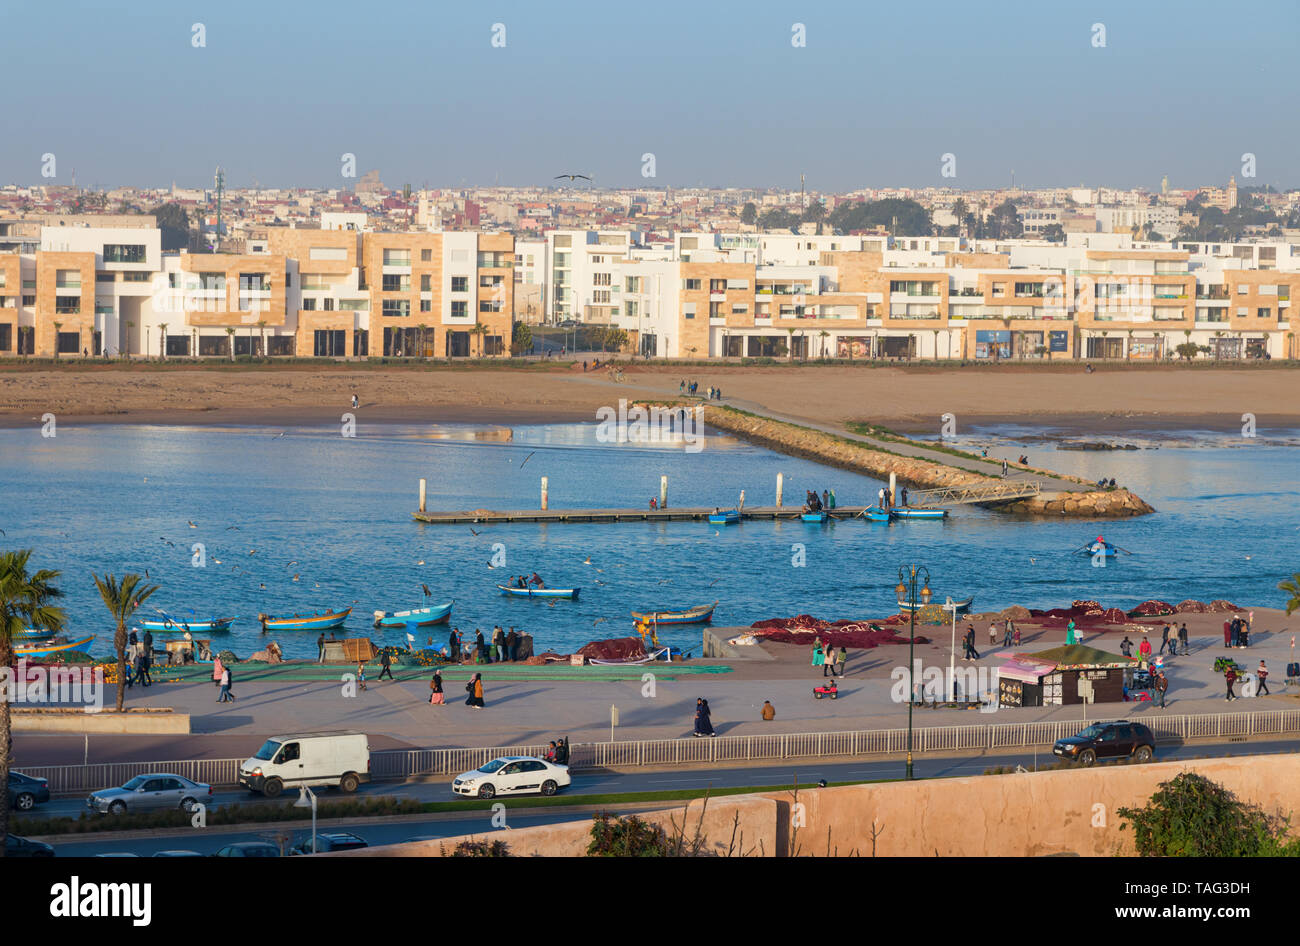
{"points": [[874, 98]]}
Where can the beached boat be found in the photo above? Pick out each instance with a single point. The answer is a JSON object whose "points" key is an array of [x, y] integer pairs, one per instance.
{"points": [[53, 648], [875, 514], [540, 592], [917, 512], [962, 606], [701, 615], [306, 622], [170, 625], [726, 517], [813, 516], [419, 617]]}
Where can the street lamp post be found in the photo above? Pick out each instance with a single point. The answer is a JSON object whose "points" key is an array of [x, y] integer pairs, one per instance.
{"points": [[307, 799], [907, 594], [950, 605]]}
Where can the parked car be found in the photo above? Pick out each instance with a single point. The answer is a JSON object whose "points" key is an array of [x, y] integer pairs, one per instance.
{"points": [[311, 759], [151, 792], [249, 849], [26, 847], [338, 841], [512, 775], [177, 853], [26, 792], [1118, 740]]}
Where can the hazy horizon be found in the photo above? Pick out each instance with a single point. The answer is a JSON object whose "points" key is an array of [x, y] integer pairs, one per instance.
{"points": [[719, 95]]}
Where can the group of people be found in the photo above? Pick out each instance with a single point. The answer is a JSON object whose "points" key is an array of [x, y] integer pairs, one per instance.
{"points": [[814, 503], [139, 658], [558, 751], [1236, 632], [1103, 483], [831, 659], [1230, 677], [1010, 634], [885, 498], [473, 689], [504, 646], [703, 722], [693, 387], [519, 581]]}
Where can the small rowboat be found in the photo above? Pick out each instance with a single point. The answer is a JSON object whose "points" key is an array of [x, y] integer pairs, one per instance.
{"points": [[34, 634], [1104, 549], [962, 606], [419, 617], [54, 648], [540, 592], [307, 622], [171, 625], [726, 517], [813, 516], [701, 615], [917, 512], [875, 514]]}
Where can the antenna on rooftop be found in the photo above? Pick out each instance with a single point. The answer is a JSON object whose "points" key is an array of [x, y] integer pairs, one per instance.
{"points": [[219, 180]]}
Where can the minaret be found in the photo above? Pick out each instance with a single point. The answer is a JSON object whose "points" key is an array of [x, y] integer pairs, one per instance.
{"points": [[1232, 192], [1164, 185]]}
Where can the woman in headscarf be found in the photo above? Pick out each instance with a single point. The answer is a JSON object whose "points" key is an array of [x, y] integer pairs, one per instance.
{"points": [[435, 688], [475, 690], [703, 724]]}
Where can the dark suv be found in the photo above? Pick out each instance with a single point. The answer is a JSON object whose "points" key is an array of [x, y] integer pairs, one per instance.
{"points": [[341, 841], [1120, 740]]}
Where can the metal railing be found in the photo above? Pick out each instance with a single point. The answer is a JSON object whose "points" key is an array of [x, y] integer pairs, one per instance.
{"points": [[975, 493], [394, 764]]}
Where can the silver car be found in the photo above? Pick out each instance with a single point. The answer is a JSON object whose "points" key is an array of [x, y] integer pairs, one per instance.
{"points": [[151, 792]]}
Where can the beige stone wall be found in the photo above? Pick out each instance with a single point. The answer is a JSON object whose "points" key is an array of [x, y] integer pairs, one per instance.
{"points": [[83, 322]]}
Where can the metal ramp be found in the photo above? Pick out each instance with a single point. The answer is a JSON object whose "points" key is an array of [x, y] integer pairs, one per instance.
{"points": [[979, 493]]}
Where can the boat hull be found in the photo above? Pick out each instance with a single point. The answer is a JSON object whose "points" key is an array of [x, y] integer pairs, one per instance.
{"points": [[813, 517], [52, 650], [726, 518], [701, 615], [962, 606], [908, 513], [316, 622], [417, 617], [875, 514], [540, 592], [211, 626]]}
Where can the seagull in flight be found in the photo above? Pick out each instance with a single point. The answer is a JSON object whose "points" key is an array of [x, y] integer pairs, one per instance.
{"points": [[191, 523], [526, 459], [572, 177]]}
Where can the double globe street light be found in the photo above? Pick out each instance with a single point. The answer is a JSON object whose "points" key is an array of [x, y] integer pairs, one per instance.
{"points": [[909, 596]]}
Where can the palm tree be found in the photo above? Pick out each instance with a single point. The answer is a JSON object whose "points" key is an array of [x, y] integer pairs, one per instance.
{"points": [[57, 326], [823, 335], [24, 602], [424, 329], [129, 325], [122, 599], [1292, 587], [261, 324], [230, 336], [789, 354], [162, 341]]}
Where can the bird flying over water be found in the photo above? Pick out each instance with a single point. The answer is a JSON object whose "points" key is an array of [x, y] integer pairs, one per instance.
{"points": [[526, 459], [295, 576], [191, 523], [427, 592], [471, 531], [278, 436], [572, 177], [229, 528]]}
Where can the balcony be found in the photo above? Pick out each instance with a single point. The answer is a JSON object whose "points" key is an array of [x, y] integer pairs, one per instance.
{"points": [[68, 284]]}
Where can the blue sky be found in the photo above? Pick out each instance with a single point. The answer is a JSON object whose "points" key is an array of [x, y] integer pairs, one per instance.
{"points": [[714, 90]]}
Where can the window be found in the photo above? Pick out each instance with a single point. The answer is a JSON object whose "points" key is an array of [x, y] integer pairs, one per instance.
{"points": [[601, 279], [397, 308], [633, 284], [460, 309], [328, 254], [425, 285], [741, 285], [999, 290], [136, 277], [67, 305], [68, 279], [600, 297], [693, 285], [425, 305], [716, 310], [717, 285], [740, 309], [99, 277], [1264, 312], [397, 257], [426, 256], [308, 304], [490, 305], [124, 253], [688, 310], [460, 284], [355, 305], [395, 283], [1242, 289]]}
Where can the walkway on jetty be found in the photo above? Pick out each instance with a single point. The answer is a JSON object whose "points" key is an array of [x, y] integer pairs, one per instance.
{"points": [[621, 515]]}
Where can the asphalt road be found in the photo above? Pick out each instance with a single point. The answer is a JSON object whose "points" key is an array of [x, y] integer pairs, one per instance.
{"points": [[378, 831]]}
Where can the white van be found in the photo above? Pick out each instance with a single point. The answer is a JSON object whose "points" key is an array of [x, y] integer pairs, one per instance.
{"points": [[311, 759]]}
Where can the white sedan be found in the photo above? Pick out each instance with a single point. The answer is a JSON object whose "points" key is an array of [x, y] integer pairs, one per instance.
{"points": [[512, 775]]}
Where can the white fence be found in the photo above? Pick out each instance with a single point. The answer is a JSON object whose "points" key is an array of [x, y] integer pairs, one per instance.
{"points": [[410, 763]]}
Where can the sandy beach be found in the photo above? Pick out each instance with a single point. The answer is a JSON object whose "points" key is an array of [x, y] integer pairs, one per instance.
{"points": [[1110, 400]]}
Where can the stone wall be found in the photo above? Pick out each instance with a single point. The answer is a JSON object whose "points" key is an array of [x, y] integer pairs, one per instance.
{"points": [[914, 472]]}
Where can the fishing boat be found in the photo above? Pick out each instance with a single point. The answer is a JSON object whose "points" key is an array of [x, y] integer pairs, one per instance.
{"points": [[171, 625], [540, 592], [726, 517], [963, 606], [419, 617], [918, 512], [1101, 547], [34, 634], [875, 514], [60, 645], [305, 622], [701, 615], [813, 516]]}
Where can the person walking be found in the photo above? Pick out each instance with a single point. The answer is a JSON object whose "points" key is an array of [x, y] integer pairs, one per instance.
{"points": [[841, 661], [361, 674], [144, 661], [1144, 651], [453, 645], [817, 653], [969, 642], [475, 690], [320, 648], [993, 633], [1162, 687], [828, 665], [435, 690], [1126, 647], [1230, 676], [1164, 638], [703, 720], [1010, 633], [1234, 631], [1262, 674], [1227, 633], [1015, 635], [1182, 638], [1069, 633], [355, 403], [225, 696], [480, 648], [385, 665]]}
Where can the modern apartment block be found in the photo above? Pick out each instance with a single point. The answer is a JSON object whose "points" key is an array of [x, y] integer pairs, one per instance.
{"points": [[298, 292]]}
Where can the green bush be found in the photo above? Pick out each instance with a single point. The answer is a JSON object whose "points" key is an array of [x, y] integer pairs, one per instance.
{"points": [[612, 836], [1191, 816], [473, 848]]}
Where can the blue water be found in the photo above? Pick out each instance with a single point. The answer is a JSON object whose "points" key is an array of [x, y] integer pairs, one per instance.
{"points": [[111, 498]]}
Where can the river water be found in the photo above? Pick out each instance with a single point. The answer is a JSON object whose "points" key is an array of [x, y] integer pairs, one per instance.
{"points": [[268, 505]]}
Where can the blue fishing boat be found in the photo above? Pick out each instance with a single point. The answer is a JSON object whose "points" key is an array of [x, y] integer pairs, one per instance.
{"points": [[725, 517], [168, 624], [875, 514], [1101, 547], [700, 615], [813, 516], [962, 606], [540, 592], [53, 648], [305, 622], [419, 617], [34, 634], [918, 512]]}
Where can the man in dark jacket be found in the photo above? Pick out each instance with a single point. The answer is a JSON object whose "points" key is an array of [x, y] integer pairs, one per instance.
{"points": [[453, 645], [385, 665], [512, 646]]}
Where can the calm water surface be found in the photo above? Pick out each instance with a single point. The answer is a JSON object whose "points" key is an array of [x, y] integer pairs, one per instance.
{"points": [[336, 512]]}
